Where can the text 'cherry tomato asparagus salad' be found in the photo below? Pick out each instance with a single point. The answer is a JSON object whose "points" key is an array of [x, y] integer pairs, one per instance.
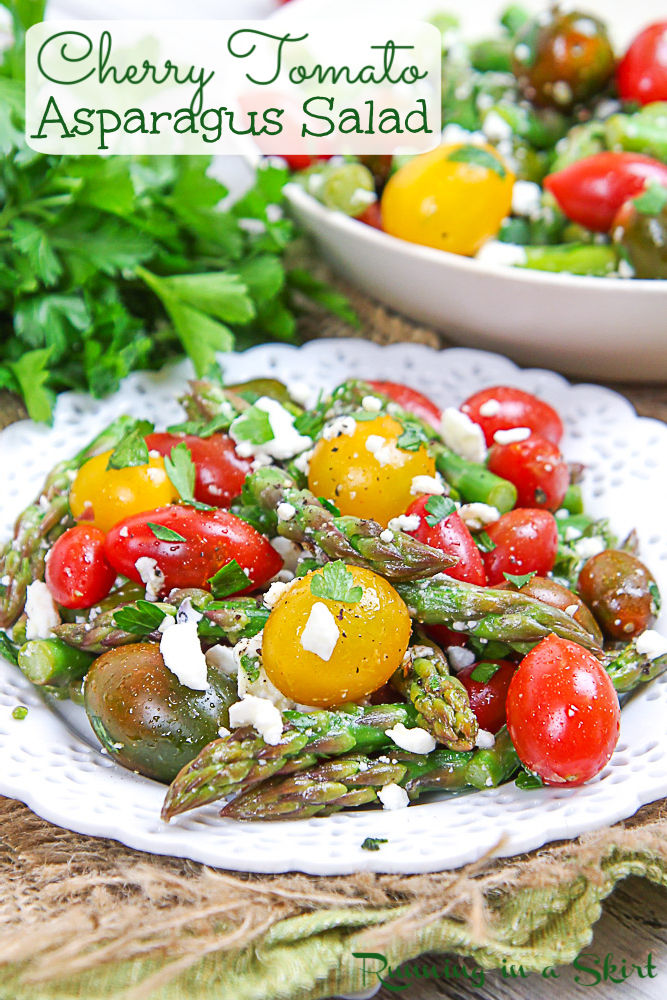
{"points": [[553, 156], [296, 606]]}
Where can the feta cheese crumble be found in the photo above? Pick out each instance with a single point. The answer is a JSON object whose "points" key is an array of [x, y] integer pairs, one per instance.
{"points": [[460, 658], [259, 713], [405, 522], [285, 511], [41, 611], [182, 654], [496, 128], [274, 593], [571, 609], [339, 426], [426, 484], [485, 740], [393, 797], [383, 451], [512, 435], [415, 740], [151, 576], [526, 199], [371, 404], [651, 644], [462, 435], [321, 632], [506, 254], [387, 535], [286, 441], [586, 548], [476, 516]]}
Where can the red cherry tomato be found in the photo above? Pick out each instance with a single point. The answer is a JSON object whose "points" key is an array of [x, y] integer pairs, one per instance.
{"points": [[77, 572], [452, 537], [372, 216], [562, 713], [592, 190], [536, 468], [526, 540], [212, 539], [410, 400], [487, 698], [301, 161], [642, 72], [501, 408], [219, 471]]}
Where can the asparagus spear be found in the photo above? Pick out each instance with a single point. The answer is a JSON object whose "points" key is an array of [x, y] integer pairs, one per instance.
{"points": [[351, 539], [440, 700], [628, 669], [236, 762], [356, 779], [22, 559], [503, 615], [50, 662], [223, 621]]}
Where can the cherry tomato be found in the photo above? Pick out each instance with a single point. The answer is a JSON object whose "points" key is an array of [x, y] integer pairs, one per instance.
{"points": [[544, 589], [77, 572], [373, 635], [526, 541], [621, 592], [591, 191], [452, 537], [365, 473], [411, 400], [562, 713], [536, 468], [372, 216], [502, 408], [104, 496], [562, 58], [453, 198], [487, 698], [301, 161], [212, 539], [644, 239], [642, 72], [219, 471]]}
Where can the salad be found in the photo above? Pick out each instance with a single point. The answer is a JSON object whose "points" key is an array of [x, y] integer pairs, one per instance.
{"points": [[553, 155], [297, 606]]}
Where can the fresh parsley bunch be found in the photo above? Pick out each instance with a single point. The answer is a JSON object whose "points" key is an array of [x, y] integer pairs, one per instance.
{"points": [[110, 264]]}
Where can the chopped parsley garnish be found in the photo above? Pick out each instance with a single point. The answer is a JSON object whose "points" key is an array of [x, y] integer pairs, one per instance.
{"points": [[307, 566], [8, 649], [484, 671], [336, 583], [202, 428], [328, 505], [181, 471], [254, 426], [229, 579], [373, 843], [438, 509], [413, 436], [479, 157], [250, 665], [520, 581], [165, 534], [132, 449], [527, 780], [484, 542], [142, 618]]}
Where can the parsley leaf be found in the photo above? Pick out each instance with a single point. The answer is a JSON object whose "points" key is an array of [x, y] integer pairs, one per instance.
{"points": [[8, 649], [165, 534], [310, 423], [202, 428], [373, 843], [229, 579], [479, 157], [484, 542], [142, 618], [253, 425], [413, 436], [527, 780], [520, 581], [31, 374], [250, 666], [438, 509], [181, 471], [132, 449], [652, 200], [484, 671], [306, 566], [335, 583], [328, 505]]}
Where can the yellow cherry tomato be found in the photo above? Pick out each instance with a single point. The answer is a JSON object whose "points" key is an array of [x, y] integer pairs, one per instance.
{"points": [[365, 473], [106, 496], [453, 198], [373, 635]]}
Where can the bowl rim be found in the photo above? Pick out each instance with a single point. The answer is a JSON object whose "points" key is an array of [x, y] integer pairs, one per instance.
{"points": [[351, 227]]}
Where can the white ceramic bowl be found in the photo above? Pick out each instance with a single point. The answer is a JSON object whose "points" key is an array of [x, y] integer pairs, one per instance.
{"points": [[596, 327]]}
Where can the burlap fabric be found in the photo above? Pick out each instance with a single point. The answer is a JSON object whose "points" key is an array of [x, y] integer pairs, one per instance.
{"points": [[87, 918]]}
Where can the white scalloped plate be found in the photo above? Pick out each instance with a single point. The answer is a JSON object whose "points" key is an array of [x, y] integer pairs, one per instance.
{"points": [[51, 760]]}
